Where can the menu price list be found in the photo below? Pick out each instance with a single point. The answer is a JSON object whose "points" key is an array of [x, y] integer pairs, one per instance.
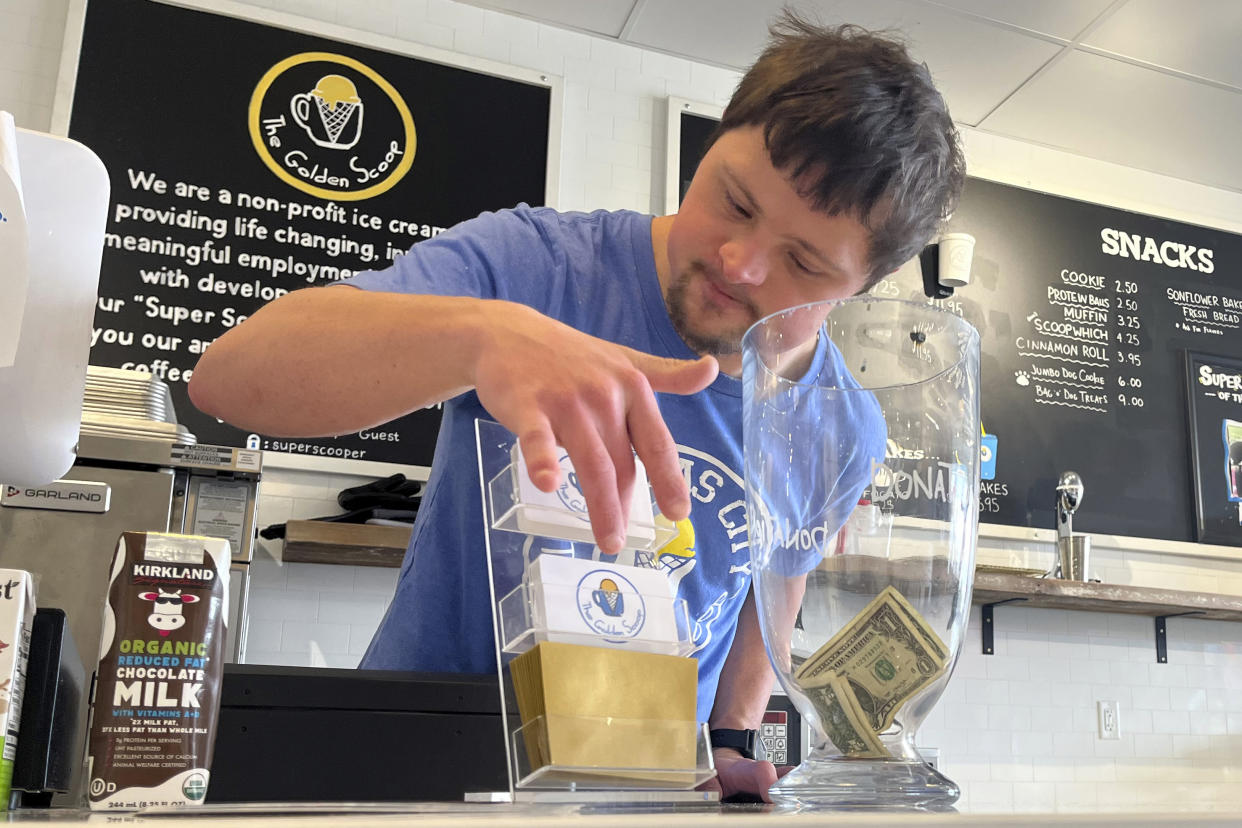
{"points": [[1085, 345], [1085, 314]]}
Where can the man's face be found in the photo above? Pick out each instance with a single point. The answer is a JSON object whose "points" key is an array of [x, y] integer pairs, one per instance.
{"points": [[745, 245]]}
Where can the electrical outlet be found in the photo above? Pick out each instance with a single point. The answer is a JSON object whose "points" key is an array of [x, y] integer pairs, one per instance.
{"points": [[1109, 719]]}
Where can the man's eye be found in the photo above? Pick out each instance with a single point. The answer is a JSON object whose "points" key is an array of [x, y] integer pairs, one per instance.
{"points": [[736, 208], [797, 263]]}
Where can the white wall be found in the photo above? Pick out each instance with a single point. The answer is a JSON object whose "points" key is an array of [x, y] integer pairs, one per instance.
{"points": [[30, 38], [1017, 729]]}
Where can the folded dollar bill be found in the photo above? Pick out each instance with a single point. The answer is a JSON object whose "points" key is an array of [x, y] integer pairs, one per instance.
{"points": [[862, 677], [843, 721]]}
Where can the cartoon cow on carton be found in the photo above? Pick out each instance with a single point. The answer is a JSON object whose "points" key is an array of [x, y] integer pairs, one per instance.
{"points": [[166, 615]]}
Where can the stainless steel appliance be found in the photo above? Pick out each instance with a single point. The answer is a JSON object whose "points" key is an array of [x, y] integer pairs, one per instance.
{"points": [[66, 532]]}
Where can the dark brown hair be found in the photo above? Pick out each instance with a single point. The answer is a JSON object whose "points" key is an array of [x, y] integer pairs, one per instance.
{"points": [[859, 129]]}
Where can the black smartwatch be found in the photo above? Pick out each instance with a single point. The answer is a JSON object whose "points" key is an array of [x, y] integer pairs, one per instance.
{"points": [[745, 742]]}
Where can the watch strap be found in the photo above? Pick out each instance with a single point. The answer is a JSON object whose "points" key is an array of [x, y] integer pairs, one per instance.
{"points": [[745, 742]]}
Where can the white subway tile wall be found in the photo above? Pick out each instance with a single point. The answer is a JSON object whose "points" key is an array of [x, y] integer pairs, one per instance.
{"points": [[30, 45], [1016, 729], [315, 615], [1019, 731]]}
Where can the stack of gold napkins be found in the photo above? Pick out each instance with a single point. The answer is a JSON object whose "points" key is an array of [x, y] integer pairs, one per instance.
{"points": [[597, 707]]}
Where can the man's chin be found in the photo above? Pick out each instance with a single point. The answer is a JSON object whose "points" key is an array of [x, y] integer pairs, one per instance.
{"points": [[712, 344], [724, 341]]}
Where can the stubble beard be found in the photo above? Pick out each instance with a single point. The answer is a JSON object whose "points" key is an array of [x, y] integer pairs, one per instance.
{"points": [[708, 343]]}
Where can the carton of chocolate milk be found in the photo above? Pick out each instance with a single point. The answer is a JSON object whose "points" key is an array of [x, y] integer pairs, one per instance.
{"points": [[161, 660]]}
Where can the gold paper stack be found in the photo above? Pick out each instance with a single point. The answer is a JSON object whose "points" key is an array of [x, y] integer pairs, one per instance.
{"points": [[598, 707]]}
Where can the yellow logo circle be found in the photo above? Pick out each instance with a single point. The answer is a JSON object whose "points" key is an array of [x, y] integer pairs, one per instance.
{"points": [[340, 132]]}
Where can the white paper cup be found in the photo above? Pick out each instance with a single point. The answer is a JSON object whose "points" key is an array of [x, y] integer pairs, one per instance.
{"points": [[956, 252]]}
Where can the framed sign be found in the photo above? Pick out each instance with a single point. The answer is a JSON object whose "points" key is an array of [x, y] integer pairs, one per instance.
{"points": [[253, 153], [690, 125], [1214, 417]]}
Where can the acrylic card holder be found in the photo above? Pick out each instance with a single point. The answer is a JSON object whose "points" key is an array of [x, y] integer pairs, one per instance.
{"points": [[551, 590], [533, 741], [518, 506]]}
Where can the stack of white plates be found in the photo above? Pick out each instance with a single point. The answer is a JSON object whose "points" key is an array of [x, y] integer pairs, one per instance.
{"points": [[119, 403]]}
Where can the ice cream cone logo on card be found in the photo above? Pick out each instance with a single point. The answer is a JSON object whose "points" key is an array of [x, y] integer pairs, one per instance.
{"points": [[331, 126], [609, 598], [610, 604]]}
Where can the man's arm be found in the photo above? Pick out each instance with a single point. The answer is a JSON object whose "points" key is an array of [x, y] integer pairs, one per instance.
{"points": [[742, 695], [327, 361], [333, 360]]}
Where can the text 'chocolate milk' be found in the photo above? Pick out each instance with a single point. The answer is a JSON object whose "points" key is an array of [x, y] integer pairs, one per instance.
{"points": [[161, 658]]}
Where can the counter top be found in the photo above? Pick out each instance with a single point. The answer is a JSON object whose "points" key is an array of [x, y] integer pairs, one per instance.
{"points": [[454, 815]]}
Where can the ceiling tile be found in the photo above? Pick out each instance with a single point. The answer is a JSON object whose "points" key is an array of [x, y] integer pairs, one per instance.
{"points": [[727, 34], [1105, 108], [606, 17], [1057, 18], [955, 48], [1199, 37]]}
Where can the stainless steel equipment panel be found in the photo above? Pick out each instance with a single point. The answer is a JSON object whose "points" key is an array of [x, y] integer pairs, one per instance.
{"points": [[239, 598], [69, 552]]}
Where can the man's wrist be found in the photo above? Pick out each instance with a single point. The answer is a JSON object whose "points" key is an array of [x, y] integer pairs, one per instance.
{"points": [[745, 742]]}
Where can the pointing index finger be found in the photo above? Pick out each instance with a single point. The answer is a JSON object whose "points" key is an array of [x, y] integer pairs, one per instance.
{"points": [[655, 447]]}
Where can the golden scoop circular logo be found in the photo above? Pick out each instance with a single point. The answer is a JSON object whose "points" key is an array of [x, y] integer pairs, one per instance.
{"points": [[332, 127]]}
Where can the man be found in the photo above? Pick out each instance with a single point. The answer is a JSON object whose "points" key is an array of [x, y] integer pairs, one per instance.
{"points": [[835, 162]]}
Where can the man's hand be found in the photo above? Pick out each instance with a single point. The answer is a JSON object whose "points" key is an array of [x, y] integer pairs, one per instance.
{"points": [[552, 385], [741, 778]]}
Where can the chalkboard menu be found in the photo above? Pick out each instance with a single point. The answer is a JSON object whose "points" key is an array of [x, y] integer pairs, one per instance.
{"points": [[1086, 313], [1087, 316], [248, 161]]}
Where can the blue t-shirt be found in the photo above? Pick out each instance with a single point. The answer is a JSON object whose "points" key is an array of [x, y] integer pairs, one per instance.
{"points": [[595, 272]]}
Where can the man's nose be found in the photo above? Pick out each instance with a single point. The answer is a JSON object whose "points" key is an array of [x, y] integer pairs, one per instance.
{"points": [[743, 261]]}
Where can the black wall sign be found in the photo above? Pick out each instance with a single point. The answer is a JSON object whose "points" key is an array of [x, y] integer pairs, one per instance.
{"points": [[1085, 313], [248, 161], [1214, 411], [695, 131]]}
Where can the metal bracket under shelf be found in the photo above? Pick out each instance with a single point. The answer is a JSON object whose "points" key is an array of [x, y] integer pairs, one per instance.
{"points": [[989, 647], [1162, 644]]}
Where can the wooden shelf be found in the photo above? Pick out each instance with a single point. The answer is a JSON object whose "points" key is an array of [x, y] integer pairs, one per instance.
{"points": [[993, 588], [866, 575], [355, 544]]}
